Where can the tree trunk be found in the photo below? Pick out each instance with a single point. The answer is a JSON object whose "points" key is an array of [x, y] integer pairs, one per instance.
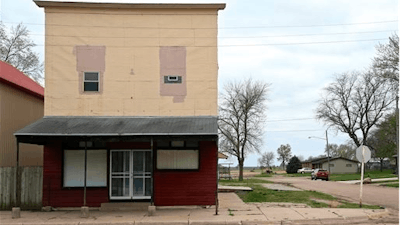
{"points": [[381, 164], [240, 170]]}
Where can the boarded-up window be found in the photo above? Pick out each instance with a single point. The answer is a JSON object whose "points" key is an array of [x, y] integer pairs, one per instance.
{"points": [[74, 167], [178, 159], [349, 165]]}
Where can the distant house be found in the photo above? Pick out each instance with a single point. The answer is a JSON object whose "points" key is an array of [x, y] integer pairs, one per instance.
{"points": [[222, 156], [337, 164], [21, 103], [306, 164]]}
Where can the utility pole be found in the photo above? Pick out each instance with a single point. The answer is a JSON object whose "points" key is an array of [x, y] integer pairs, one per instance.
{"points": [[327, 148], [397, 133]]}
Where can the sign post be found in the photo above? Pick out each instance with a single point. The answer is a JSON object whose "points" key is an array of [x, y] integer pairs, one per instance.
{"points": [[363, 154]]}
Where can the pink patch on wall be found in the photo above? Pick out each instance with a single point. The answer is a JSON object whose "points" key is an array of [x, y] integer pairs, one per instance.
{"points": [[90, 59], [173, 65]]}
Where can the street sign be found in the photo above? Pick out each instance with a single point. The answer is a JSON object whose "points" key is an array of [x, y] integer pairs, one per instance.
{"points": [[359, 153], [363, 154]]}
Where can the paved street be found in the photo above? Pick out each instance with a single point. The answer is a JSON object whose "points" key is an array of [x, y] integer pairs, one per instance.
{"points": [[376, 195]]}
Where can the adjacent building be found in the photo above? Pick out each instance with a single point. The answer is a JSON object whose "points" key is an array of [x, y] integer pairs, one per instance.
{"points": [[130, 104], [21, 103]]}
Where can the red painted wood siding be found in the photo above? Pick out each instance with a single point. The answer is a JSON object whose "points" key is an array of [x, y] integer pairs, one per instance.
{"points": [[170, 187], [54, 194], [189, 187]]}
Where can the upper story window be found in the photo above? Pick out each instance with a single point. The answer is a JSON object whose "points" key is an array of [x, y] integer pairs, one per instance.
{"points": [[91, 81]]}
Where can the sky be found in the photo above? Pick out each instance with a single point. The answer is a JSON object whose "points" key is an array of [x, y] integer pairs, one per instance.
{"points": [[296, 46]]}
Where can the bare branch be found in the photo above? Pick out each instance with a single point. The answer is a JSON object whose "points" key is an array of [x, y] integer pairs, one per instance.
{"points": [[354, 103], [241, 116], [16, 49]]}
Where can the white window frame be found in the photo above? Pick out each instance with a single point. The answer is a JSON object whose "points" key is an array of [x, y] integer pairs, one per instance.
{"points": [[78, 174], [91, 81]]}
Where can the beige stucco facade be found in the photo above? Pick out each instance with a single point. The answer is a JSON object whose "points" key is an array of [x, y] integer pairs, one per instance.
{"points": [[341, 166], [131, 81], [17, 110]]}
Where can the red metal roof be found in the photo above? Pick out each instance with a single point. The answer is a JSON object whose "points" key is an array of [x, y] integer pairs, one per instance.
{"points": [[13, 77]]}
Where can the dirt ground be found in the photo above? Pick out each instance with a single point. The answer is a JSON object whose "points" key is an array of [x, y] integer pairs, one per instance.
{"points": [[247, 173]]}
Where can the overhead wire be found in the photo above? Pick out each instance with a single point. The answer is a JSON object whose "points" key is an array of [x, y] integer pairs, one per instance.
{"points": [[250, 27], [238, 37], [214, 46]]}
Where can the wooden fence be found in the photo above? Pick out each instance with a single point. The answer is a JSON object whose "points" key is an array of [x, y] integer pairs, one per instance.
{"points": [[31, 187]]}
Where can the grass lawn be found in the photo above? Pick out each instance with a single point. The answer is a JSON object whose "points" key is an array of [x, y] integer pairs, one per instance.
{"points": [[396, 185], [261, 194], [356, 176], [386, 181], [263, 175]]}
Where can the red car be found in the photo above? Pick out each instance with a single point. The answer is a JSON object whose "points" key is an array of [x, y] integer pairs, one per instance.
{"points": [[320, 174]]}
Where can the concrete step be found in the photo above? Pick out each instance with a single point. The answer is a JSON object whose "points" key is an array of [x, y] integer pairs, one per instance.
{"points": [[125, 206]]}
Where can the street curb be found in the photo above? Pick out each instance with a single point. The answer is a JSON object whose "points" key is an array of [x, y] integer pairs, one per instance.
{"points": [[379, 214], [339, 220]]}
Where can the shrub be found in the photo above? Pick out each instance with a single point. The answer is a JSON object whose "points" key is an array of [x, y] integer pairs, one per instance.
{"points": [[294, 165]]}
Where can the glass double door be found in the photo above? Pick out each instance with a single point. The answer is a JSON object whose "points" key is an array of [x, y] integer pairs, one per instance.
{"points": [[130, 174]]}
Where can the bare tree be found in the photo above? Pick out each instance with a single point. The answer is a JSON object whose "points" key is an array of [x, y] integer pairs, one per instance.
{"points": [[241, 117], [354, 103], [16, 49], [387, 59], [347, 150], [266, 159], [301, 158], [284, 153]]}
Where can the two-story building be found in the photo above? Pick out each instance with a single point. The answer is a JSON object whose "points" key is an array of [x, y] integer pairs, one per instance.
{"points": [[131, 98]]}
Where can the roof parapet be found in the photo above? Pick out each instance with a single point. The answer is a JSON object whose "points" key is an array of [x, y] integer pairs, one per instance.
{"points": [[216, 6]]}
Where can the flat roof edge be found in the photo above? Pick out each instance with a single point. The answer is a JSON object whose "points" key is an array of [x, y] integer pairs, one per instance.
{"points": [[115, 135], [216, 6]]}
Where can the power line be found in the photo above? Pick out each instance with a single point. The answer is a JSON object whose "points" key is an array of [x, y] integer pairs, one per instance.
{"points": [[305, 43], [323, 34], [320, 25], [292, 130], [178, 28], [271, 36], [214, 46], [284, 120]]}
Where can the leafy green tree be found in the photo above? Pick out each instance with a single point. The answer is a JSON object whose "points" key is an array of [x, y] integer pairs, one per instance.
{"points": [[284, 153], [383, 139], [294, 165]]}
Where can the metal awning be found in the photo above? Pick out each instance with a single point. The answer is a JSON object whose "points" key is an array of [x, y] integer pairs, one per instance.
{"points": [[98, 126]]}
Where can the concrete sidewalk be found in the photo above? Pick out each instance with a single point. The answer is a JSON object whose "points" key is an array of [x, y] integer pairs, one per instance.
{"points": [[372, 180], [232, 211]]}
